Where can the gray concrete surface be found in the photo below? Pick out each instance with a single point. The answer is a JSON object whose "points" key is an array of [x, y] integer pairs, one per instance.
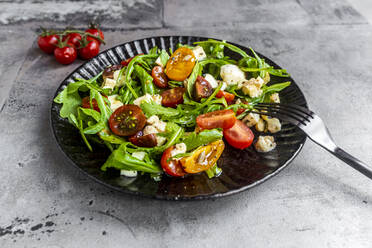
{"points": [[317, 202]]}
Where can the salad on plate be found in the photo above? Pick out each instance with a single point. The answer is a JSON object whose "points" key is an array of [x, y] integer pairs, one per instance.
{"points": [[174, 112]]}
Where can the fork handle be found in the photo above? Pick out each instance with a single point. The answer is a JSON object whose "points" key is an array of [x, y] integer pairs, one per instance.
{"points": [[353, 162]]}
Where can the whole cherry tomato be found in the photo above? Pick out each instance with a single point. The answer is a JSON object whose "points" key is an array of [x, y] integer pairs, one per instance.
{"points": [[217, 119], [160, 79], [65, 55], [239, 136], [88, 50], [96, 32], [180, 65], [171, 166], [127, 120], [48, 43], [172, 97], [73, 38]]}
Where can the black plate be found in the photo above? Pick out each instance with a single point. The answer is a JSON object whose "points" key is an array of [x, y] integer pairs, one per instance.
{"points": [[241, 169]]}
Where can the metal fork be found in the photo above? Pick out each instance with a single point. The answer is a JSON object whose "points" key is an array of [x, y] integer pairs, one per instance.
{"points": [[313, 127]]}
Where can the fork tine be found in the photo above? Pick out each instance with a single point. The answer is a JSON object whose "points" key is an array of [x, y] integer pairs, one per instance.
{"points": [[285, 117], [292, 107]]}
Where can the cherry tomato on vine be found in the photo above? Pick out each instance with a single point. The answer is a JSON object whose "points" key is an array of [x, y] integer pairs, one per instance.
{"points": [[65, 55], [171, 166], [47, 43], [127, 120], [73, 38], [88, 50], [96, 32]]}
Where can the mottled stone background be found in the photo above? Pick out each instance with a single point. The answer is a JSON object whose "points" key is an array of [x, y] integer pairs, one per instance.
{"points": [[317, 202]]}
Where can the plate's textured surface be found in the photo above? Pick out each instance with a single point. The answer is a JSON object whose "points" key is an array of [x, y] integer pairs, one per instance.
{"points": [[241, 169]]}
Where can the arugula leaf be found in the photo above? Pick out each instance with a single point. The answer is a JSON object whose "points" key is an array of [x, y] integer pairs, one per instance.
{"points": [[276, 87], [214, 171], [196, 71], [104, 116], [153, 50], [164, 57], [205, 137], [146, 80], [229, 46], [155, 109], [69, 102]]}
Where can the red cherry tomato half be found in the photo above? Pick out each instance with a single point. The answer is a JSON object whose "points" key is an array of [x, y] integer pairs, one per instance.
{"points": [[127, 120], [172, 167], [203, 88], [239, 136], [217, 119], [148, 140], [65, 55], [85, 103], [160, 79], [96, 32], [172, 97], [89, 51], [228, 96], [240, 111], [127, 61], [48, 43], [74, 39]]}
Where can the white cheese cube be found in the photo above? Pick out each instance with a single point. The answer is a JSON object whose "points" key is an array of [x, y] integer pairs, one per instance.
{"points": [[275, 98], [199, 53], [266, 79], [139, 155], [251, 90], [109, 83], [149, 130], [265, 144], [231, 74], [260, 125], [128, 173], [153, 119], [148, 98], [160, 126], [178, 149], [114, 103], [160, 140], [211, 80], [251, 119], [273, 125]]}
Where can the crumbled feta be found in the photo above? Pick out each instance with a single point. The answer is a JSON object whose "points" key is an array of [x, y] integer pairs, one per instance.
{"points": [[231, 74], [211, 80], [114, 103], [178, 149], [273, 125], [224, 85], [266, 79], [149, 130], [275, 98], [160, 126], [260, 125], [252, 87], [109, 83], [251, 119], [152, 120], [265, 144], [199, 53], [148, 98], [160, 140], [128, 173], [139, 155]]}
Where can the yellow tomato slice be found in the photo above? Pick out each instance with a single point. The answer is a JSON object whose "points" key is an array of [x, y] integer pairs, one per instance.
{"points": [[180, 65], [203, 158]]}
